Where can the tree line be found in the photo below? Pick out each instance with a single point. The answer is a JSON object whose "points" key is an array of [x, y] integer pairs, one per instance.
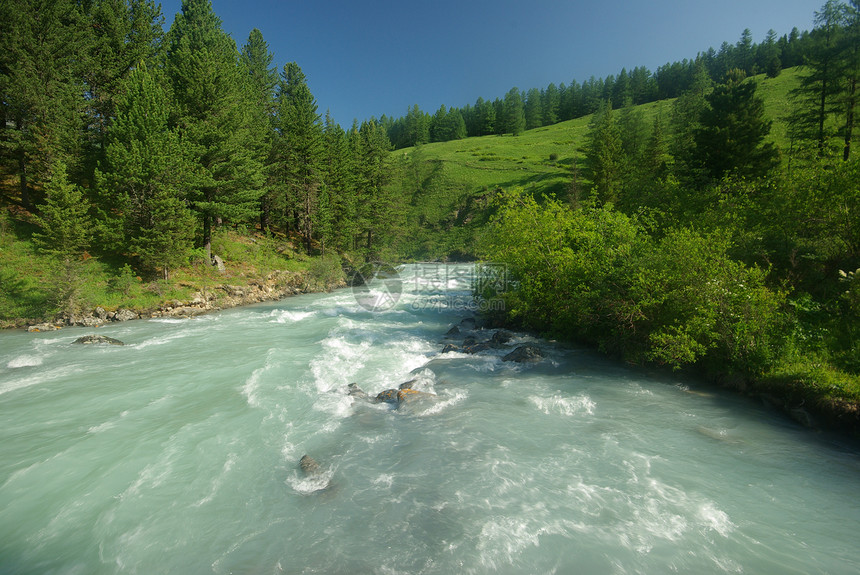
{"points": [[524, 110], [693, 238], [145, 141]]}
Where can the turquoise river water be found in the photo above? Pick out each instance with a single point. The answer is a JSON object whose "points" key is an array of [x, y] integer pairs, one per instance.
{"points": [[178, 453]]}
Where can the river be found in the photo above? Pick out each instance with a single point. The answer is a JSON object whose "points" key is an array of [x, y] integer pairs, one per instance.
{"points": [[179, 452]]}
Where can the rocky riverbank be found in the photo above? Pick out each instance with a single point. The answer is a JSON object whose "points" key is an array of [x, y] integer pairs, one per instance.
{"points": [[275, 286]]}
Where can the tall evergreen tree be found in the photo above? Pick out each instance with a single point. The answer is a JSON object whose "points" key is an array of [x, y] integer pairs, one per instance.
{"points": [[339, 184], [533, 109], [202, 65], [604, 156], [142, 176], [733, 129], [298, 149], [124, 33], [43, 53], [819, 84], [65, 236], [513, 113], [850, 72], [551, 99], [260, 79]]}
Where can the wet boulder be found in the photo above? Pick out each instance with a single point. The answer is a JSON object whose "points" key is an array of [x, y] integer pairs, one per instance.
{"points": [[453, 332], [502, 337], [524, 353], [354, 391], [309, 465], [449, 348], [468, 323], [469, 341], [98, 339], [387, 396], [407, 384], [410, 395], [478, 348]]}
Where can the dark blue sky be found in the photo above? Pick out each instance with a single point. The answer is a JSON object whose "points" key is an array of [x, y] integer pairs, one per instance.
{"points": [[368, 58]]}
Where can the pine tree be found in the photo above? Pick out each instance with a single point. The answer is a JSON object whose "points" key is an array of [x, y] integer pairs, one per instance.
{"points": [[41, 71], [513, 114], [298, 149], [533, 109], [259, 81], [202, 65], [124, 33], [819, 83], [339, 186], [551, 99], [65, 236], [850, 72], [604, 156], [733, 129], [143, 175]]}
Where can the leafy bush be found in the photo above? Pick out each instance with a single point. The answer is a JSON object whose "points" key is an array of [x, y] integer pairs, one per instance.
{"points": [[596, 275]]}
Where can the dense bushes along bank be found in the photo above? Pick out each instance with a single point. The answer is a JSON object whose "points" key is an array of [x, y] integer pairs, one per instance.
{"points": [[675, 298]]}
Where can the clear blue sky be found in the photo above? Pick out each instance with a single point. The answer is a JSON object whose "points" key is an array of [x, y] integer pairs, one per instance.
{"points": [[375, 57]]}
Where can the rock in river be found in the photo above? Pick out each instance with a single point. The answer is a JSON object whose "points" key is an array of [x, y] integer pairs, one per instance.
{"points": [[524, 353], [101, 339]]}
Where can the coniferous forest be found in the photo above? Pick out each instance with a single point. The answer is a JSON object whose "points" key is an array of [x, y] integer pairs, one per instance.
{"points": [[680, 223]]}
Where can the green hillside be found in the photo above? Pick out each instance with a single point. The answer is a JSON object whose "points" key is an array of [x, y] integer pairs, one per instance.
{"points": [[450, 183]]}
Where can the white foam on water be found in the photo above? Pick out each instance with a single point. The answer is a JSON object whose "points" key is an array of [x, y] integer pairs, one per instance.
{"points": [[39, 378], [217, 481], [557, 404], [307, 484], [25, 361], [111, 423], [715, 519], [251, 387], [289, 316]]}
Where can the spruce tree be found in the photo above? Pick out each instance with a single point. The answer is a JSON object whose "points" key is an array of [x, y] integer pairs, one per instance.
{"points": [[260, 79], [124, 33], [142, 177], [533, 109], [209, 114], [733, 127], [44, 49], [338, 179], [298, 149], [513, 114], [819, 83], [65, 236], [604, 156]]}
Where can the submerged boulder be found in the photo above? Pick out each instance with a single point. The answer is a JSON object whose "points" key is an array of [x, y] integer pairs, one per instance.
{"points": [[98, 339], [309, 465], [502, 337], [355, 391], [453, 332], [524, 353]]}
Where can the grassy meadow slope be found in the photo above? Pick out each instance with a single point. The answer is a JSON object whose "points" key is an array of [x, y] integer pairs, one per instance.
{"points": [[449, 184]]}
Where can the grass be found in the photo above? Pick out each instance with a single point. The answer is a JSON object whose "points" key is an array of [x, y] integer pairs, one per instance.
{"points": [[25, 275], [449, 188]]}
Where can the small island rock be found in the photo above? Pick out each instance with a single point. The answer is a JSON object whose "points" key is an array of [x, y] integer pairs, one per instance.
{"points": [[99, 339]]}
